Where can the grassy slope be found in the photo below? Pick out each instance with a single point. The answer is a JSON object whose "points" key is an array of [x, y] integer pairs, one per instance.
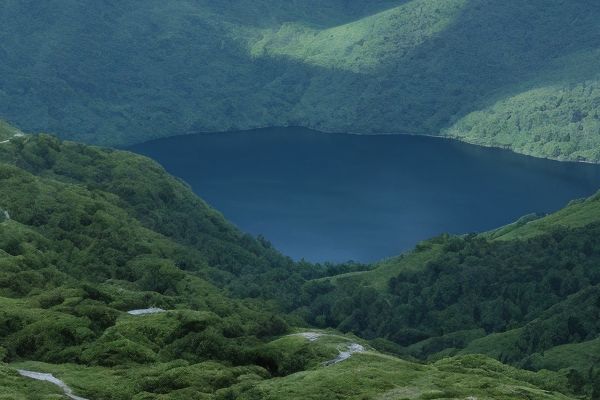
{"points": [[553, 116], [363, 46], [577, 214], [509, 345], [379, 276], [507, 74], [372, 375], [14, 387], [582, 356], [367, 375]]}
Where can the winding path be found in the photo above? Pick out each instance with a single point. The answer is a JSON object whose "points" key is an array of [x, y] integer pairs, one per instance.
{"points": [[345, 354], [40, 376], [146, 311], [345, 351], [310, 336]]}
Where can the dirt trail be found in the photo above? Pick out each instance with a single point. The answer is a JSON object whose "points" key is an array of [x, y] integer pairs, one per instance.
{"points": [[40, 376], [310, 336], [146, 311], [346, 353]]}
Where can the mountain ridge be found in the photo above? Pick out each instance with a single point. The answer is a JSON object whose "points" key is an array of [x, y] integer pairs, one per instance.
{"points": [[458, 69]]}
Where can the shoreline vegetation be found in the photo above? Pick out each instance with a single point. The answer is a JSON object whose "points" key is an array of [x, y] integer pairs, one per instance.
{"points": [[500, 73], [433, 136], [96, 232]]}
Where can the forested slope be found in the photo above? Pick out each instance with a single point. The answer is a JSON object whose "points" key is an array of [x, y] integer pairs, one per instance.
{"points": [[509, 74], [527, 294]]}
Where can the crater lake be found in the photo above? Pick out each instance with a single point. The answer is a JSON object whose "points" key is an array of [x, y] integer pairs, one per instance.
{"points": [[339, 197]]}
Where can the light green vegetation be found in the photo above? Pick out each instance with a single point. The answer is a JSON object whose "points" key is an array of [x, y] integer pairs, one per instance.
{"points": [[379, 277], [362, 46], [522, 75], [559, 121], [367, 375], [577, 214], [14, 387], [176, 380], [584, 355], [372, 375], [527, 294]]}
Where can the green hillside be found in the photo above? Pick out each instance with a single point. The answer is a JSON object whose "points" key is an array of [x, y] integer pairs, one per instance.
{"points": [[92, 233], [555, 116], [363, 46], [511, 74], [527, 294]]}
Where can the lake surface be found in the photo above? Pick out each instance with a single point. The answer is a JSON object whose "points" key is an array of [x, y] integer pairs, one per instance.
{"points": [[335, 197]]}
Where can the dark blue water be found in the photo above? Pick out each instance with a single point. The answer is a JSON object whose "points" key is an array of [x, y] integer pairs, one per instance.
{"points": [[339, 197]]}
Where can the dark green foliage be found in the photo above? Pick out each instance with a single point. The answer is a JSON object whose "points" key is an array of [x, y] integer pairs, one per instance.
{"points": [[476, 283], [576, 381], [115, 190], [87, 240], [282, 362], [501, 73], [90, 237], [538, 294], [595, 388]]}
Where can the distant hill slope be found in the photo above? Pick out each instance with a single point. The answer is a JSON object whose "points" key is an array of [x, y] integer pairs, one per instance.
{"points": [[555, 115], [509, 74]]}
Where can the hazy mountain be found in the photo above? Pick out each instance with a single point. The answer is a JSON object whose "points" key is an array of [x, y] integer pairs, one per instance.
{"points": [[510, 74]]}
